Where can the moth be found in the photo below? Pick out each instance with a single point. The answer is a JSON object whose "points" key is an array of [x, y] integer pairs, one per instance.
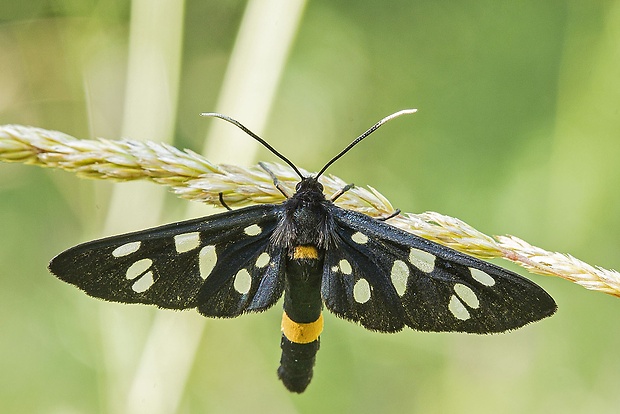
{"points": [[317, 255]]}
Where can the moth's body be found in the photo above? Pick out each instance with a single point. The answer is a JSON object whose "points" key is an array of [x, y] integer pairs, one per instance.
{"points": [[315, 254], [302, 232]]}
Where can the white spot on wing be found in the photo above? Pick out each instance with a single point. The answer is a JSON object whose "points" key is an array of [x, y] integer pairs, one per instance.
{"points": [[482, 277], [253, 230], [143, 283], [207, 258], [399, 276], [359, 238], [137, 268], [424, 261], [361, 291], [186, 241], [262, 260], [335, 269], [467, 295], [243, 281], [458, 309], [127, 248], [345, 267]]}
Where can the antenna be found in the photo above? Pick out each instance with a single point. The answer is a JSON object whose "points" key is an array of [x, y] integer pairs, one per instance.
{"points": [[364, 135], [256, 137], [286, 160]]}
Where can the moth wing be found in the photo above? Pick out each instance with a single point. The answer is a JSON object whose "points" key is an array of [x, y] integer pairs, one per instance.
{"points": [[222, 264], [385, 278]]}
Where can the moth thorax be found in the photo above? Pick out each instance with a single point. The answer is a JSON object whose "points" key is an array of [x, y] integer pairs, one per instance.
{"points": [[309, 224]]}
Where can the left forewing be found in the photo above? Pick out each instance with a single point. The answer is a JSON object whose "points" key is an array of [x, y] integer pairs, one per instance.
{"points": [[222, 264]]}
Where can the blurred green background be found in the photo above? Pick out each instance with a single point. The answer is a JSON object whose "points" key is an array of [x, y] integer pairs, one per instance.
{"points": [[517, 132]]}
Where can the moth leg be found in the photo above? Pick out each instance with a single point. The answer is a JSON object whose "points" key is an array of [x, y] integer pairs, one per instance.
{"points": [[342, 191], [221, 197], [394, 214], [276, 181]]}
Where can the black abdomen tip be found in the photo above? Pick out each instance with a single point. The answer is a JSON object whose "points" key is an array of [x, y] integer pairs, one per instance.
{"points": [[296, 364]]}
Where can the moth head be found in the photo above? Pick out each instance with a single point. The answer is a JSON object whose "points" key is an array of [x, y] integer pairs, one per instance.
{"points": [[309, 184]]}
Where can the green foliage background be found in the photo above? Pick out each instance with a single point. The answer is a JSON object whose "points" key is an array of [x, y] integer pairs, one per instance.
{"points": [[517, 132]]}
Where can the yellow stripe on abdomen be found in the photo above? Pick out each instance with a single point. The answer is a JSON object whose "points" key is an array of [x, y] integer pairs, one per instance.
{"points": [[301, 333], [305, 252]]}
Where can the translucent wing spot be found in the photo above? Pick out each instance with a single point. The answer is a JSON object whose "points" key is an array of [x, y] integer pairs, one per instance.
{"points": [[335, 269], [399, 276], [482, 277], [424, 261], [207, 258], [142, 284], [186, 241], [253, 230], [243, 281], [262, 260], [126, 249], [467, 295], [458, 309], [361, 291], [345, 267], [137, 268], [359, 238]]}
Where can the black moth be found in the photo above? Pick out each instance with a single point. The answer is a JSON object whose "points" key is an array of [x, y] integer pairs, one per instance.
{"points": [[362, 269]]}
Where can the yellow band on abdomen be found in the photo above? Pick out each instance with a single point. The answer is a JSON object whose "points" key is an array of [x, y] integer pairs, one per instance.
{"points": [[301, 333], [305, 252]]}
